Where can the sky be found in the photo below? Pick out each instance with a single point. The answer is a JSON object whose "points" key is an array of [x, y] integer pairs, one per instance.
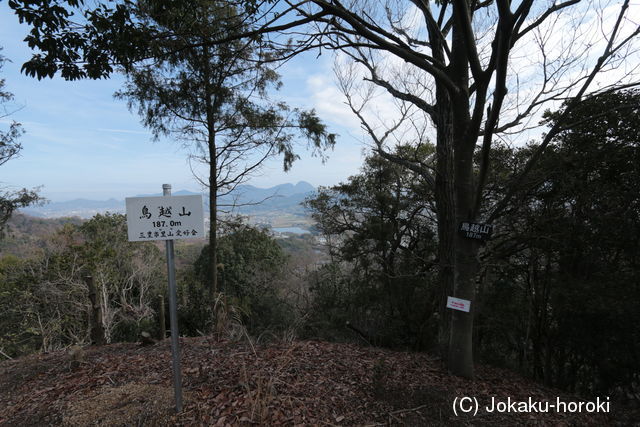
{"points": [[80, 142]]}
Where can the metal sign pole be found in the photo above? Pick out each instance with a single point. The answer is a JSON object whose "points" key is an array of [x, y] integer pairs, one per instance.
{"points": [[173, 315]]}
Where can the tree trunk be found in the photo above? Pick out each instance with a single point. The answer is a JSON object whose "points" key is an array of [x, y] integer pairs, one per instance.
{"points": [[466, 264], [445, 211], [213, 231], [97, 330], [213, 178], [461, 345], [463, 140]]}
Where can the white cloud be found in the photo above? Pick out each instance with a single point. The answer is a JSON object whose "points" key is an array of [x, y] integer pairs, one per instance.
{"points": [[329, 102]]}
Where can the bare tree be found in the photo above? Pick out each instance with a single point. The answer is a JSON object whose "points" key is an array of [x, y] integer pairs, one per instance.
{"points": [[467, 73]]}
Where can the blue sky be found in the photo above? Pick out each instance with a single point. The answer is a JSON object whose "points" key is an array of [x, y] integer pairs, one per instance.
{"points": [[82, 143]]}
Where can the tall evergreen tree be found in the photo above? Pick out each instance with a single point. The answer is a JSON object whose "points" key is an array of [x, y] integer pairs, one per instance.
{"points": [[214, 96], [562, 272], [381, 230]]}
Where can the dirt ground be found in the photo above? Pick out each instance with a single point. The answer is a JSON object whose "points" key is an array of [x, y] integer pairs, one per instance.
{"points": [[295, 383]]}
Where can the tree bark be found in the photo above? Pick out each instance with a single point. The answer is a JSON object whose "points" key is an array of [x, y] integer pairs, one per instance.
{"points": [[464, 135], [213, 178], [97, 329], [213, 228], [461, 344], [445, 211], [466, 250]]}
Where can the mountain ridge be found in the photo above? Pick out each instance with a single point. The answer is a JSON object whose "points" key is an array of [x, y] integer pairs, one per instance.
{"points": [[246, 199]]}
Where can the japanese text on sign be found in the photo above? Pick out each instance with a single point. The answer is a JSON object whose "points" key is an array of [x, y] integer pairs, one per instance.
{"points": [[476, 231], [164, 218], [458, 304]]}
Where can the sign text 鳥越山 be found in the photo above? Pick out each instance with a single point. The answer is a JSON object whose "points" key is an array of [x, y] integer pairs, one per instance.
{"points": [[477, 231], [164, 218]]}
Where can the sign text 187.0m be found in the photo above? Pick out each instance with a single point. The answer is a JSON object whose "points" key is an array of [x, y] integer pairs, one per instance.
{"points": [[164, 218]]}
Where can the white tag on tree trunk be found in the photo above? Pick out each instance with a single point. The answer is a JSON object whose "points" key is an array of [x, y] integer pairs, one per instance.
{"points": [[458, 304]]}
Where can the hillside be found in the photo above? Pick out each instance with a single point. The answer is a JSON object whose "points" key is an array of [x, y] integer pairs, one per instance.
{"points": [[296, 383], [24, 233]]}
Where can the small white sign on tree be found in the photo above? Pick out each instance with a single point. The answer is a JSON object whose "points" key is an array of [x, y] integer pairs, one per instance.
{"points": [[458, 304], [164, 218]]}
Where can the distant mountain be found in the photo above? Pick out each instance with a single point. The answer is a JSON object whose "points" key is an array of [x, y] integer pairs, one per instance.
{"points": [[245, 200], [248, 199], [82, 208]]}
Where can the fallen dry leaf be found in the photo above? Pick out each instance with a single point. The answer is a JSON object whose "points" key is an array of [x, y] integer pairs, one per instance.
{"points": [[299, 383]]}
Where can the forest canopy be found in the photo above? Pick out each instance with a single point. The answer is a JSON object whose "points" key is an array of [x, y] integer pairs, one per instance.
{"points": [[550, 293]]}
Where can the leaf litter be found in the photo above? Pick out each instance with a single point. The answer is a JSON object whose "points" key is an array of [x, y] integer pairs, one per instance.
{"points": [[229, 383]]}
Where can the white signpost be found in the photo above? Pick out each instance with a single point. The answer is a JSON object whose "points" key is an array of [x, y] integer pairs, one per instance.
{"points": [[164, 218], [458, 304], [167, 218]]}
